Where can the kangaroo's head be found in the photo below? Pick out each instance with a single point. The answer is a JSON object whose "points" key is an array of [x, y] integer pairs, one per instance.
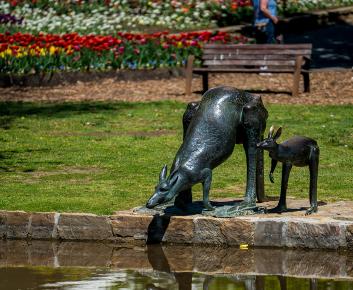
{"points": [[165, 190], [270, 143]]}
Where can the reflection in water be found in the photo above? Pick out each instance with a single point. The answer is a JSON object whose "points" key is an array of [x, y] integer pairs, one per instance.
{"points": [[45, 265], [109, 279]]}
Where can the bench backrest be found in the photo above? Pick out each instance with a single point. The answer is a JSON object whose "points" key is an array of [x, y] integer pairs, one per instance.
{"points": [[254, 55]]}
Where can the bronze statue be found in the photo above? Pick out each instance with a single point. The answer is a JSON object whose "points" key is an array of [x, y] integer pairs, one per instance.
{"points": [[298, 151], [224, 117]]}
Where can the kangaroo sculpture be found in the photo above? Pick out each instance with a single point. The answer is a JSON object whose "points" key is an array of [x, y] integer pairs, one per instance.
{"points": [[225, 116], [298, 151]]}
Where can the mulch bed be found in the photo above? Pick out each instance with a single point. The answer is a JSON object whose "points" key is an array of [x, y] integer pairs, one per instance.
{"points": [[327, 87]]}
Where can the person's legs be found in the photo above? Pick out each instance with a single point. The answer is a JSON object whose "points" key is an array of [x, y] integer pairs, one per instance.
{"points": [[270, 33], [260, 34]]}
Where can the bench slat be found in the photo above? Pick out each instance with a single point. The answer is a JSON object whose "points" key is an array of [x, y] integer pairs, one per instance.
{"points": [[260, 46], [242, 70], [249, 62], [304, 52], [247, 56]]}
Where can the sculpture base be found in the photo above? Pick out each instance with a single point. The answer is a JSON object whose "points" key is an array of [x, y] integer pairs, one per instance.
{"points": [[221, 210]]}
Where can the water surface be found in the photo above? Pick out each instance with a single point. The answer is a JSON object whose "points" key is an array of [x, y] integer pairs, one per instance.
{"points": [[47, 265]]}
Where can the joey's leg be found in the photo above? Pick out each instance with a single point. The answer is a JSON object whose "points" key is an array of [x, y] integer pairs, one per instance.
{"points": [[273, 167], [282, 204], [314, 170], [185, 197], [206, 184]]}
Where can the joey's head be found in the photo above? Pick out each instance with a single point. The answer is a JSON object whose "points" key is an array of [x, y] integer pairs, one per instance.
{"points": [[164, 190], [270, 143]]}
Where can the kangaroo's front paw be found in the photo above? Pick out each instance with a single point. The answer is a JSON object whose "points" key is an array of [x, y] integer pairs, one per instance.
{"points": [[311, 210], [208, 206]]}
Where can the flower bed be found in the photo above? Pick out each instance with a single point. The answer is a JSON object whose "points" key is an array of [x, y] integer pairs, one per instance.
{"points": [[299, 6], [26, 53], [108, 16]]}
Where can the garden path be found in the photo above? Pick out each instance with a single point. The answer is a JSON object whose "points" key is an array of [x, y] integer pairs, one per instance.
{"points": [[328, 87]]}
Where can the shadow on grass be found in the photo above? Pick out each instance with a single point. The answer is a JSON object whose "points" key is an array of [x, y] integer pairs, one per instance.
{"points": [[15, 109], [9, 161], [9, 111]]}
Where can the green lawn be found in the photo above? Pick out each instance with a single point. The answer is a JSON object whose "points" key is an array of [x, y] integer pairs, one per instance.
{"points": [[103, 157]]}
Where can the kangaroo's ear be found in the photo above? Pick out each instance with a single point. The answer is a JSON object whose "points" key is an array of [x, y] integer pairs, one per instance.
{"points": [[173, 180], [270, 133], [278, 133], [163, 174]]}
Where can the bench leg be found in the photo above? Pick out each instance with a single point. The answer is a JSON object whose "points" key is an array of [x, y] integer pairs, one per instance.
{"points": [[296, 77], [306, 82], [204, 82], [188, 74]]}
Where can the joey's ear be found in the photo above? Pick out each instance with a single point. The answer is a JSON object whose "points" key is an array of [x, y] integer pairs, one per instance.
{"points": [[163, 174], [270, 133], [278, 133]]}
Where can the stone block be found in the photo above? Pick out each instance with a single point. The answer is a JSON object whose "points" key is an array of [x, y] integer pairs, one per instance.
{"points": [[349, 236], [42, 226], [179, 230], [3, 225], [269, 233], [128, 225], [238, 231], [84, 227], [207, 230], [14, 224], [308, 234]]}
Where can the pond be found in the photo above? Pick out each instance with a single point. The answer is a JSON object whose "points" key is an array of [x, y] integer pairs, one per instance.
{"points": [[73, 265]]}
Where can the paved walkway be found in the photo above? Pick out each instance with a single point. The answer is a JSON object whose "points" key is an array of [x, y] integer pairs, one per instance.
{"points": [[332, 45]]}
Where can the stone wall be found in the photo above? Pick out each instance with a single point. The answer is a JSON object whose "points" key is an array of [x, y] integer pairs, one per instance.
{"points": [[129, 227]]}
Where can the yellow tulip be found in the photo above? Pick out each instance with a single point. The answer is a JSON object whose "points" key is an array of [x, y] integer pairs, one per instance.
{"points": [[52, 50]]}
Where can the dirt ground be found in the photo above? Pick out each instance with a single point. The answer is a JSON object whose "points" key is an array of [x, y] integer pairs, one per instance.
{"points": [[327, 87]]}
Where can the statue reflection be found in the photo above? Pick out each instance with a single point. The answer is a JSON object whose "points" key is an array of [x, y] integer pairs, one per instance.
{"points": [[184, 280], [159, 262]]}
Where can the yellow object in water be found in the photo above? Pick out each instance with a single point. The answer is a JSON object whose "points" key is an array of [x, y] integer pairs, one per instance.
{"points": [[244, 246]]}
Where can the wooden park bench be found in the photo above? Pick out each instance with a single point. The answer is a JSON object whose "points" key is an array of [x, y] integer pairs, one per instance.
{"points": [[253, 58]]}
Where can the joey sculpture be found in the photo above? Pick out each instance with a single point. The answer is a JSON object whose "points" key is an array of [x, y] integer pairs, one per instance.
{"points": [[298, 151], [224, 116]]}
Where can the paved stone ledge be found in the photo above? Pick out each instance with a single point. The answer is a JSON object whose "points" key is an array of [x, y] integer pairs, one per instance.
{"points": [[331, 228]]}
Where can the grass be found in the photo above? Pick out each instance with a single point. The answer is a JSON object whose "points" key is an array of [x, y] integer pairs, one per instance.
{"points": [[102, 157]]}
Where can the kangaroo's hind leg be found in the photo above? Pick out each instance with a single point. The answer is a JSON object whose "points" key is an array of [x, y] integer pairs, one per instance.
{"points": [[314, 171], [185, 197]]}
